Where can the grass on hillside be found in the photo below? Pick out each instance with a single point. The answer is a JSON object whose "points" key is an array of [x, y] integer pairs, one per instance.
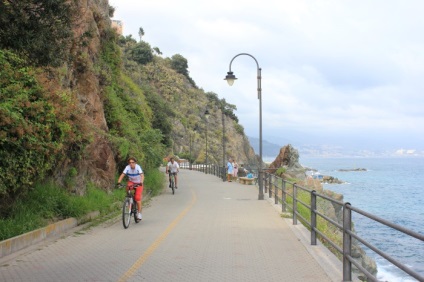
{"points": [[327, 228], [47, 203]]}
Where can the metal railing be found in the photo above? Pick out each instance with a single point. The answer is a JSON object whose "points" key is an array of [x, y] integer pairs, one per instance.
{"points": [[213, 169], [282, 195], [278, 188]]}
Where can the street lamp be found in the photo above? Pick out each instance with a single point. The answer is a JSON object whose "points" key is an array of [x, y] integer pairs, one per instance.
{"points": [[223, 143], [207, 118], [191, 157], [230, 78]]}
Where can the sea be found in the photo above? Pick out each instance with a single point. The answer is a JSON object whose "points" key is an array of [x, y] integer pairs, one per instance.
{"points": [[391, 188]]}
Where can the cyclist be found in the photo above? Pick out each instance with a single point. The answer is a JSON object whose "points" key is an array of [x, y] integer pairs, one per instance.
{"points": [[174, 168], [135, 176]]}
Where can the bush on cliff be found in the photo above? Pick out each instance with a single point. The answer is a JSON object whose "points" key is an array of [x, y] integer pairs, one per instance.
{"points": [[37, 127]]}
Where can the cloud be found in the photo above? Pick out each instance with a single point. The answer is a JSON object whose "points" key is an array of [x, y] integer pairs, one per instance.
{"points": [[329, 68]]}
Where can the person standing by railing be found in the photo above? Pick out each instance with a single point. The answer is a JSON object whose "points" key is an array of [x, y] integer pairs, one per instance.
{"points": [[229, 170], [235, 169]]}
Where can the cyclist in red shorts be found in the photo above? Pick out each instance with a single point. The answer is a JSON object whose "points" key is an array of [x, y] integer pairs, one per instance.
{"points": [[135, 176]]}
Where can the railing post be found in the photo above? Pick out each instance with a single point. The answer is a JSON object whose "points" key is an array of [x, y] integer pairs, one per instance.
{"points": [[283, 196], [294, 204], [269, 185], [347, 242], [313, 217], [275, 189], [265, 182]]}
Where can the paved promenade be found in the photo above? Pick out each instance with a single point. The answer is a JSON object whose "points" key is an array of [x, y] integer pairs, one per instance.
{"points": [[208, 231]]}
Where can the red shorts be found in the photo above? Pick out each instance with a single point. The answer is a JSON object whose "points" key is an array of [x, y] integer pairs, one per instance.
{"points": [[138, 190]]}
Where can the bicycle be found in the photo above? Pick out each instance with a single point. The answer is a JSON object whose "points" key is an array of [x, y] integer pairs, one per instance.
{"points": [[172, 181], [129, 208]]}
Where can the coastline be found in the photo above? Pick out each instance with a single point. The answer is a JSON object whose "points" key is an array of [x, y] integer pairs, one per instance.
{"points": [[393, 182]]}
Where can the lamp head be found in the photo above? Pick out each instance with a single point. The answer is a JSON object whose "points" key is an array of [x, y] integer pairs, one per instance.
{"points": [[230, 78]]}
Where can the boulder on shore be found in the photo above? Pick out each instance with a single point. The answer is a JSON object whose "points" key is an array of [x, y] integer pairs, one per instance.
{"points": [[288, 158]]}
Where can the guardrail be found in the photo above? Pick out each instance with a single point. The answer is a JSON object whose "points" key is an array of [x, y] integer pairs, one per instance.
{"points": [[282, 194], [279, 189], [213, 169]]}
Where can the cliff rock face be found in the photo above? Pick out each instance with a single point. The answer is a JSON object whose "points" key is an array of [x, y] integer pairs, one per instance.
{"points": [[238, 147], [97, 165]]}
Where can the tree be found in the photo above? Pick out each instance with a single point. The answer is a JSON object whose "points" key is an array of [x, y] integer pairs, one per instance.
{"points": [[141, 53], [179, 64], [140, 33], [37, 29], [156, 49], [126, 40]]}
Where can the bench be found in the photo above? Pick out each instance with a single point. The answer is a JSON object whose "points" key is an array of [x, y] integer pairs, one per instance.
{"points": [[248, 181]]}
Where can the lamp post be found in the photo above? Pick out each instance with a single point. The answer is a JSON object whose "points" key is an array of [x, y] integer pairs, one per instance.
{"points": [[223, 143], [230, 78], [191, 157], [207, 118]]}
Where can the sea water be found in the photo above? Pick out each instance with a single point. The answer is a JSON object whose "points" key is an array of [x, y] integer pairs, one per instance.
{"points": [[390, 188]]}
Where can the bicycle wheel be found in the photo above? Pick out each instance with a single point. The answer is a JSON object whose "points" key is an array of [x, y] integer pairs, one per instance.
{"points": [[126, 213], [173, 184]]}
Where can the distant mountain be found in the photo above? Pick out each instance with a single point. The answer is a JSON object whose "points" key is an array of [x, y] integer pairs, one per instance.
{"points": [[269, 150]]}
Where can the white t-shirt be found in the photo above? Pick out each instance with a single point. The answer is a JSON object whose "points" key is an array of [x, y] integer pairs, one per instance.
{"points": [[173, 167], [133, 174]]}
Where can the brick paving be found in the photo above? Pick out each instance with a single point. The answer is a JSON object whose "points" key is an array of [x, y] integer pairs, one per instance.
{"points": [[208, 231]]}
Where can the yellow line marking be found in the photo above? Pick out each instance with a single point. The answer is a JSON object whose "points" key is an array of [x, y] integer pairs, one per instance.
{"points": [[130, 272]]}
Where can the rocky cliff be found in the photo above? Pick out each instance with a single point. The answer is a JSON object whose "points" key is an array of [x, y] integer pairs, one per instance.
{"points": [[237, 145], [88, 78], [97, 164]]}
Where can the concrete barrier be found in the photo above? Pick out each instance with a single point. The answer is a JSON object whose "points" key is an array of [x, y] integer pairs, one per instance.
{"points": [[17, 243], [245, 180]]}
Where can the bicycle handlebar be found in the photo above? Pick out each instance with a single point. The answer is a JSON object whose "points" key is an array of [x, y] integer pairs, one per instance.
{"points": [[119, 185]]}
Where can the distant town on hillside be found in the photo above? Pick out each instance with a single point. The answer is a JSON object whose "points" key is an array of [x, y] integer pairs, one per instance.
{"points": [[271, 150]]}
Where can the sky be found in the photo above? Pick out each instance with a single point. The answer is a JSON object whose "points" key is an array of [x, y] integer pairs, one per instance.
{"points": [[334, 73]]}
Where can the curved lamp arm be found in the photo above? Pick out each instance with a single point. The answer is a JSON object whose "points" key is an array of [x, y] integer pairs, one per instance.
{"points": [[230, 77]]}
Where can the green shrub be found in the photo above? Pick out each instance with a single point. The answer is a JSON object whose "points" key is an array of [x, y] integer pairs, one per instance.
{"points": [[141, 52], [38, 29], [281, 171], [153, 182], [48, 203], [37, 127]]}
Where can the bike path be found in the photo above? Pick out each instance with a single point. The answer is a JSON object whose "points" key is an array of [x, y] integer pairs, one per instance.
{"points": [[208, 231]]}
